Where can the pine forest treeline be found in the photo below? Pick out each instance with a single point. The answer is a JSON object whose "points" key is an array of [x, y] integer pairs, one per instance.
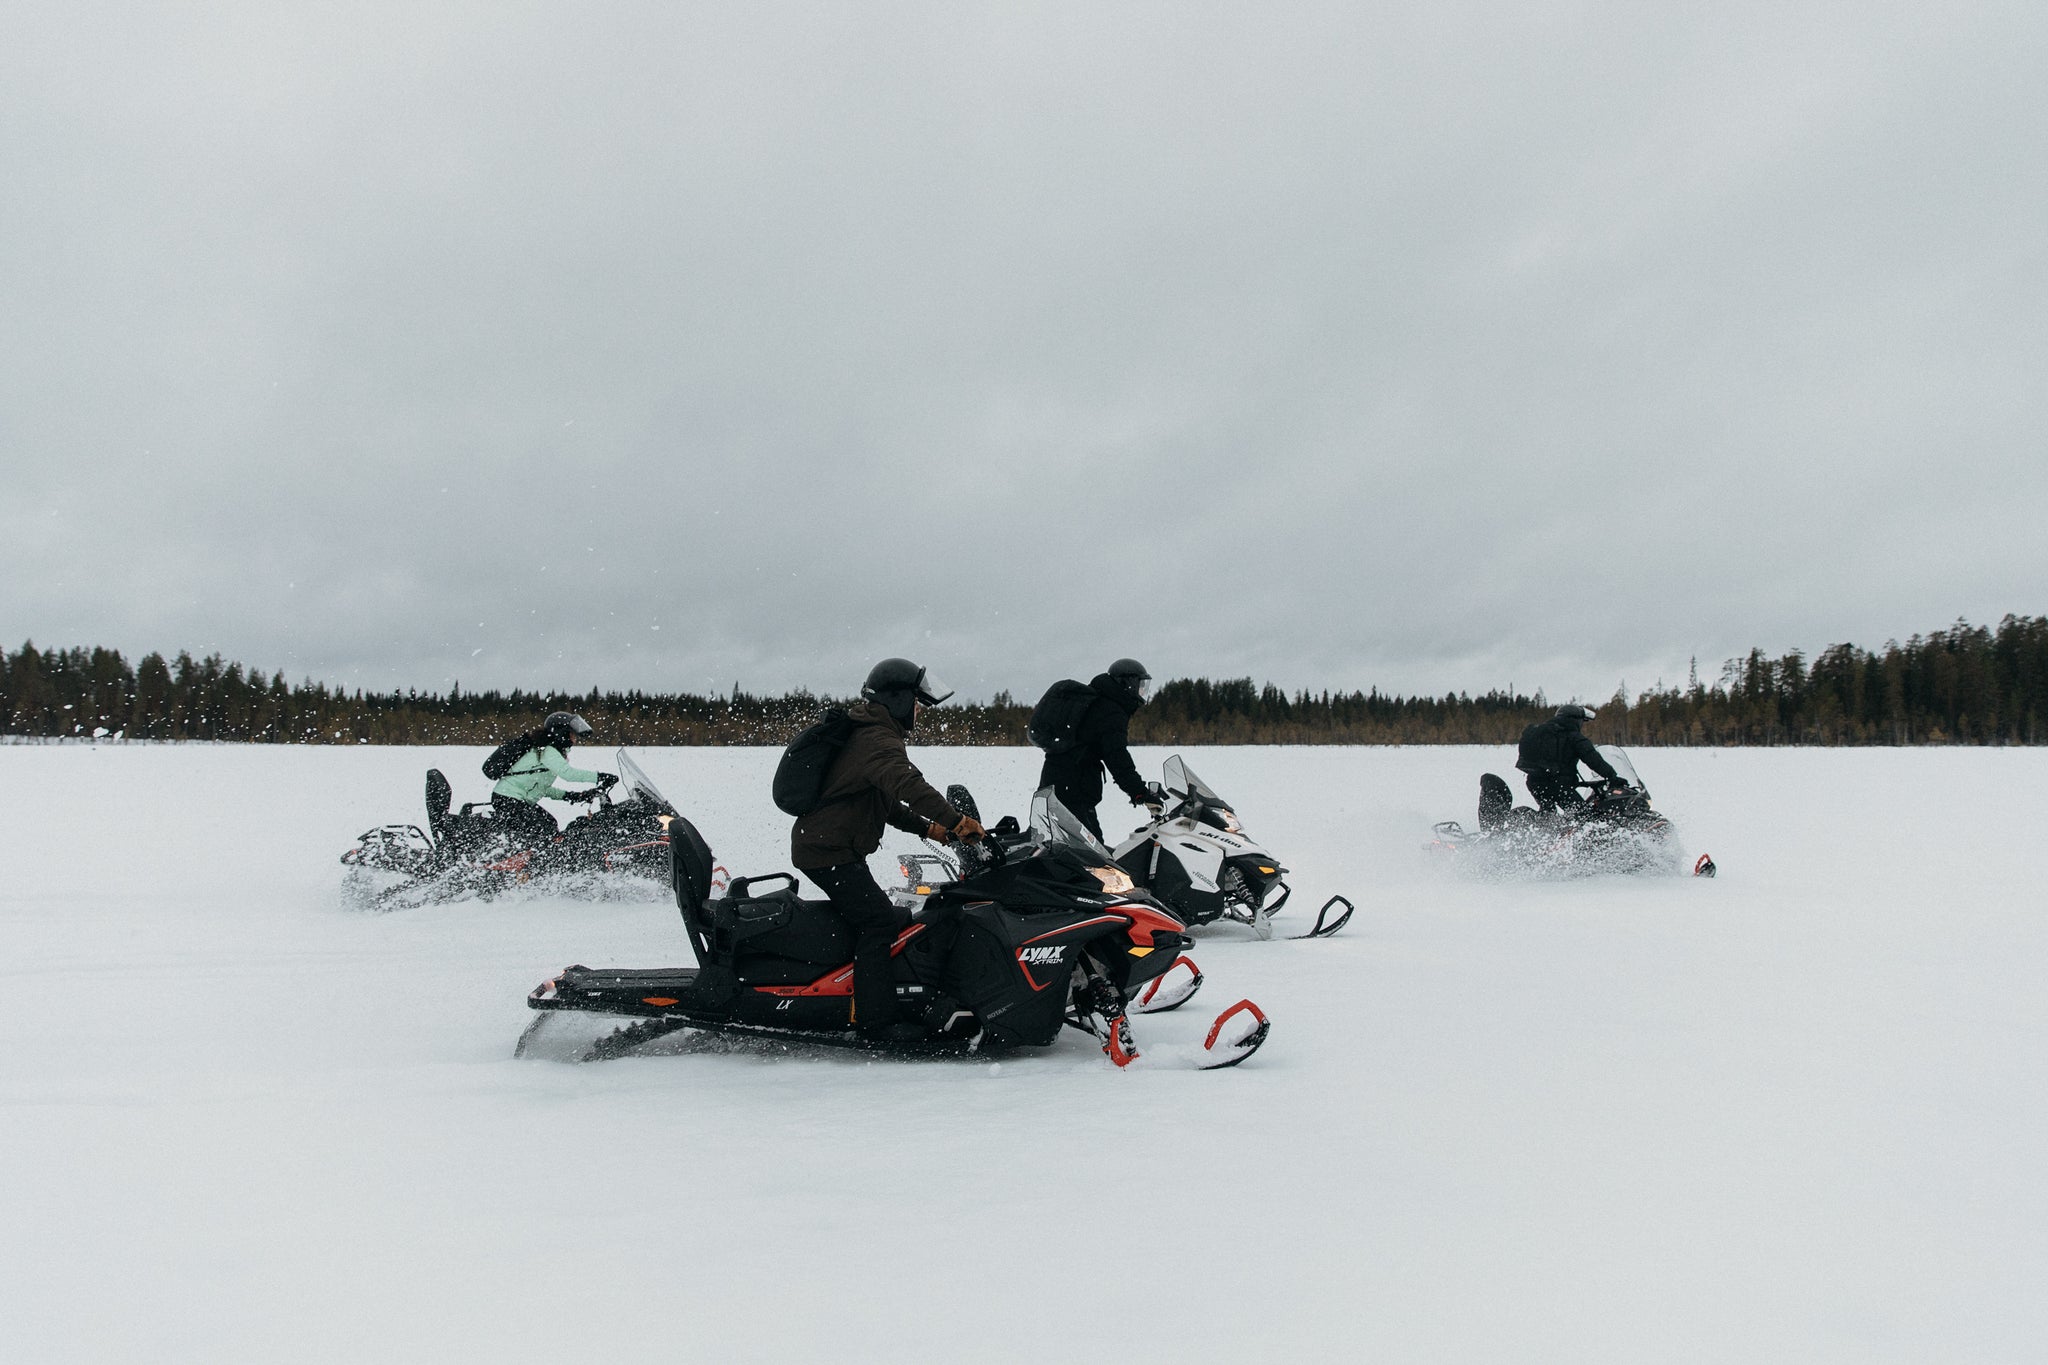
{"points": [[1963, 685]]}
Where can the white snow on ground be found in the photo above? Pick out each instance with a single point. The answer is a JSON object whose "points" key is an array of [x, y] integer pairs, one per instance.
{"points": [[1794, 1114]]}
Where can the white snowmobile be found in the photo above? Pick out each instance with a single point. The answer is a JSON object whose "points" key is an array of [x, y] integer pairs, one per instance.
{"points": [[1195, 856]]}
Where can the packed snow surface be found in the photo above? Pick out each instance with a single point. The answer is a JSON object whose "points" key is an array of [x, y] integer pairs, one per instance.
{"points": [[1792, 1114]]}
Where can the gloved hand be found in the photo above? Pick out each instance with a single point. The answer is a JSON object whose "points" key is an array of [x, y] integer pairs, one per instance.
{"points": [[1617, 784], [586, 796], [938, 833], [969, 830]]}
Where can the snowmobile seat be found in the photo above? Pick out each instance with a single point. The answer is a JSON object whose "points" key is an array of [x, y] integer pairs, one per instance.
{"points": [[439, 797], [778, 923], [689, 866], [744, 924], [689, 875], [1496, 799]]}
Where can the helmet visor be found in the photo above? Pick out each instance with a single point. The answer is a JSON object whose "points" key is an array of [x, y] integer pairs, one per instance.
{"points": [[930, 690]]}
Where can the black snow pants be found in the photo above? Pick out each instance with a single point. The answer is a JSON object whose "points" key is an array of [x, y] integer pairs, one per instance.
{"points": [[525, 821], [876, 921], [1083, 808], [1553, 789]]}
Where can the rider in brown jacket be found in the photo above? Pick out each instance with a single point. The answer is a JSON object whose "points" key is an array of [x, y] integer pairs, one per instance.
{"points": [[872, 782]]}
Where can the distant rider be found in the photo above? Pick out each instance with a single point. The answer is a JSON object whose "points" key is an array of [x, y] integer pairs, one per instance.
{"points": [[1102, 738], [1551, 752], [516, 799], [869, 783]]}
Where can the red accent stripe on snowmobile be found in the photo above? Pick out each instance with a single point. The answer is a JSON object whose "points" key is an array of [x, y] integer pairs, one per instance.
{"points": [[1145, 922], [839, 981], [1217, 1027]]}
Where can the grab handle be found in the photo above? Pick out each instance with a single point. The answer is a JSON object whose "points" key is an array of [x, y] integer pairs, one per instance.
{"points": [[742, 886]]}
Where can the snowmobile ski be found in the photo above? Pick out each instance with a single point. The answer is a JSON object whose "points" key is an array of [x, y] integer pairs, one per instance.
{"points": [[1322, 930], [1220, 1049], [1171, 989]]}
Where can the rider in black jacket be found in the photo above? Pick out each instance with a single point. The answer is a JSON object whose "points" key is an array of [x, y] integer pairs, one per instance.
{"points": [[1102, 740], [1551, 752]]}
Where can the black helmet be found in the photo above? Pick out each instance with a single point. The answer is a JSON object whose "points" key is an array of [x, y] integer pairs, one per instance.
{"points": [[1574, 714], [898, 684], [565, 726], [1132, 675]]}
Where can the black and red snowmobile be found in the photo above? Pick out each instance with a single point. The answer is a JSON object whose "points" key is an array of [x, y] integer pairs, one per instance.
{"points": [[1612, 830], [618, 848], [1033, 938]]}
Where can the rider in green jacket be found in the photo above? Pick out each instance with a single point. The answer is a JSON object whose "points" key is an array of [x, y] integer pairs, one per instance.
{"points": [[516, 799]]}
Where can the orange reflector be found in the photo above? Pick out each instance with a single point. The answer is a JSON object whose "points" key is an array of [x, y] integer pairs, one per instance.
{"points": [[663, 1000], [1139, 952]]}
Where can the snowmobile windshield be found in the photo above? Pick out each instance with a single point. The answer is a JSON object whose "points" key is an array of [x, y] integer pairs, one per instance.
{"points": [[1623, 769], [636, 781], [1053, 823], [1181, 781]]}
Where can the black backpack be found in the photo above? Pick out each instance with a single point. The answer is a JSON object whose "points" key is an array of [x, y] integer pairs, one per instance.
{"points": [[800, 776], [511, 751], [1056, 721]]}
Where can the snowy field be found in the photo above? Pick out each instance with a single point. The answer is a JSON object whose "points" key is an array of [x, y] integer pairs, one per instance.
{"points": [[1794, 1114]]}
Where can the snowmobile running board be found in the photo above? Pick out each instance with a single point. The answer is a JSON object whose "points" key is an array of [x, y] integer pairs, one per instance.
{"points": [[625, 1040], [1217, 1050], [1322, 930]]}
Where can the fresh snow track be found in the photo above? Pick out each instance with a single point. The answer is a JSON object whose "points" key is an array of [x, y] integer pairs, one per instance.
{"points": [[1791, 1114]]}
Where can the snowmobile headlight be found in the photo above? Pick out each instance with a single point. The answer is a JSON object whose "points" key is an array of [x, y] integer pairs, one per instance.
{"points": [[1230, 825], [1114, 880]]}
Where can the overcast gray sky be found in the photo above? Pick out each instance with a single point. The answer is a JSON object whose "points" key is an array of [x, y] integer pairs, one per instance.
{"points": [[669, 346]]}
